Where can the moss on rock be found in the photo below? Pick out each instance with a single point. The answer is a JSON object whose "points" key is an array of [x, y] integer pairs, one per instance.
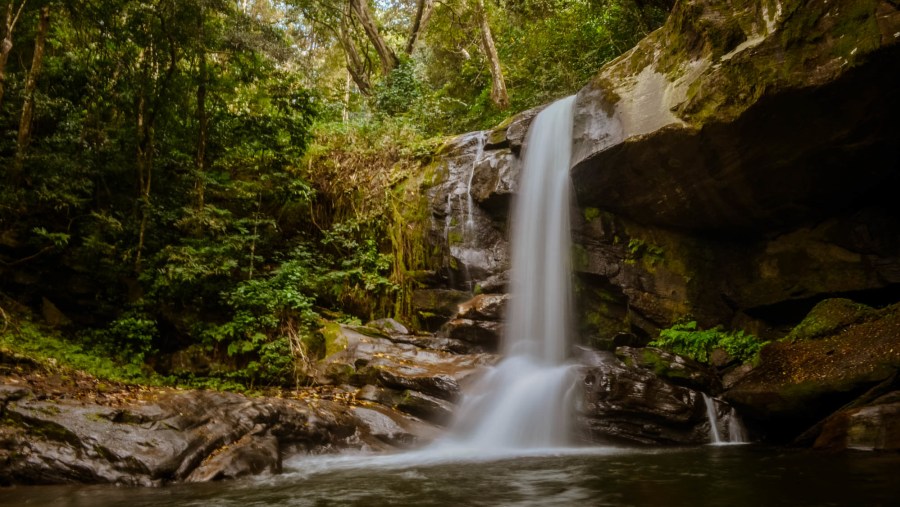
{"points": [[829, 317]]}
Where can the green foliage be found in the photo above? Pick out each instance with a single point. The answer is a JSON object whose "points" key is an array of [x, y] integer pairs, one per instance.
{"points": [[176, 174], [399, 91], [360, 271], [129, 339], [687, 339], [547, 48], [640, 249], [49, 348], [271, 317]]}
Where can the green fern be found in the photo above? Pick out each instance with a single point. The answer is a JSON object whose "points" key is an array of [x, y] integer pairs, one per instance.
{"points": [[687, 339]]}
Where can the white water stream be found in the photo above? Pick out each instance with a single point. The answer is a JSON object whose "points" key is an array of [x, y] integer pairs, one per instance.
{"points": [[524, 402], [731, 421], [470, 218]]}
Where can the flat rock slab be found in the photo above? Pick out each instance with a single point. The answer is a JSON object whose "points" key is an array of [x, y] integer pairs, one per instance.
{"points": [[191, 435]]}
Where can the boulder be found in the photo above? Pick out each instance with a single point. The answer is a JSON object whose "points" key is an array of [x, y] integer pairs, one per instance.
{"points": [[623, 404], [488, 307], [251, 455], [362, 359], [875, 426], [382, 429], [389, 326], [425, 407], [828, 318], [478, 323], [434, 307], [797, 384], [178, 436], [676, 369], [480, 335]]}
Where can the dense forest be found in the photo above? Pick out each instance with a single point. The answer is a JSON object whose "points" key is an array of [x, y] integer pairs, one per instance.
{"points": [[221, 177]]}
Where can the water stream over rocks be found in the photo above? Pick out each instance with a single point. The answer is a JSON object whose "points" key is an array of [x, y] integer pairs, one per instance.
{"points": [[524, 402]]}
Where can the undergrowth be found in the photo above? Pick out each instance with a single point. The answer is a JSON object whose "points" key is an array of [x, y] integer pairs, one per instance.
{"points": [[48, 348]]}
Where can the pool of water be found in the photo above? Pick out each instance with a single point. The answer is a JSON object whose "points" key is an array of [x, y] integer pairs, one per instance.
{"points": [[731, 476]]}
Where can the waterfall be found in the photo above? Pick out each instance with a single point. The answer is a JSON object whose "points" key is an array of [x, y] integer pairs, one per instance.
{"points": [[736, 432], [470, 218], [714, 436], [524, 402]]}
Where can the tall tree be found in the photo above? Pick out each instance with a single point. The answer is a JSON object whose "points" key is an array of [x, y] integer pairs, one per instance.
{"points": [[24, 137], [202, 117], [498, 84], [424, 9], [357, 66], [389, 60], [10, 20]]}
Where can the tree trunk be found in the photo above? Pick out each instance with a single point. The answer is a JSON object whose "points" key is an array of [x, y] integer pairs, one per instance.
{"points": [[7, 44], [202, 121], [423, 14], [355, 64], [498, 84], [25, 122], [345, 113], [387, 56], [145, 174], [143, 159]]}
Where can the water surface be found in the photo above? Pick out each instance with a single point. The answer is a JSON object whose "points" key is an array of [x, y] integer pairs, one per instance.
{"points": [[733, 476]]}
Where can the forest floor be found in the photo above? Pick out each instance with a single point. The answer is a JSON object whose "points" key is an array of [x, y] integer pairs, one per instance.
{"points": [[61, 383]]}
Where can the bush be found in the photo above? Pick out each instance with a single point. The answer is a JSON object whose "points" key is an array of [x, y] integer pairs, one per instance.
{"points": [[687, 339]]}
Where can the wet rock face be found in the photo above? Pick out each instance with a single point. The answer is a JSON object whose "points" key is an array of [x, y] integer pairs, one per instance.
{"points": [[673, 368], [172, 439], [626, 404], [473, 242], [478, 322], [737, 166], [763, 284], [476, 176]]}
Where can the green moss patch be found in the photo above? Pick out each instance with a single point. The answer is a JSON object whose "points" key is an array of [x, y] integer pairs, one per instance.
{"points": [[829, 317]]}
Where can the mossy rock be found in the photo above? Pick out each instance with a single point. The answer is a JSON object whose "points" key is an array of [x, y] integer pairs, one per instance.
{"points": [[335, 341], [370, 331], [674, 368], [829, 317]]}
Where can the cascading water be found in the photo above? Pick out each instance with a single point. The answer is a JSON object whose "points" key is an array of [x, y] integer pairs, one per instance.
{"points": [[714, 436], [470, 218], [732, 422], [524, 402]]}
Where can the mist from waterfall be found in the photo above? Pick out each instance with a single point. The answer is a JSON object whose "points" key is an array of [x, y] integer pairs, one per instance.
{"points": [[525, 401]]}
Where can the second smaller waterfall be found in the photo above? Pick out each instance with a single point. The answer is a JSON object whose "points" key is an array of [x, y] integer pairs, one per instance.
{"points": [[734, 428]]}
